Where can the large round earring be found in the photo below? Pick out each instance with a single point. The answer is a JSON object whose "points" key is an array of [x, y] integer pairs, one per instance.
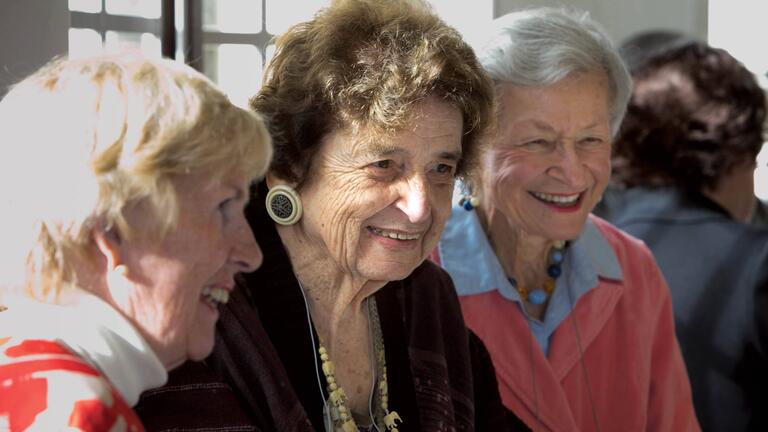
{"points": [[284, 205]]}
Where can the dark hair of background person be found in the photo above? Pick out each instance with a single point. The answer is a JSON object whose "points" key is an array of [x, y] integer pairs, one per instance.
{"points": [[366, 71], [639, 49], [695, 114]]}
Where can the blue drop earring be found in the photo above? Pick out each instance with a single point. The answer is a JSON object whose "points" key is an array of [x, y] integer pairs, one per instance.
{"points": [[469, 202]]}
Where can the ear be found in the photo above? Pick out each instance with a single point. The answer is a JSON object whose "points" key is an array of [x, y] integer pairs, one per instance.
{"points": [[108, 242], [273, 179]]}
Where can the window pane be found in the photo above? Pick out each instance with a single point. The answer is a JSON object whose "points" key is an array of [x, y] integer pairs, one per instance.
{"points": [[470, 21], [761, 174], [90, 6], [137, 8], [282, 14], [232, 16], [147, 43], [180, 31], [236, 68], [84, 42], [270, 53]]}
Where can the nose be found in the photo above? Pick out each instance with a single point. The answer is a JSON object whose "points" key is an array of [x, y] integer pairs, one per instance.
{"points": [[246, 253], [568, 166], [414, 199]]}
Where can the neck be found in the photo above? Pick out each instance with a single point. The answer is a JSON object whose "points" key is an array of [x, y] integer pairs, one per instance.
{"points": [[735, 193], [336, 298], [521, 254]]}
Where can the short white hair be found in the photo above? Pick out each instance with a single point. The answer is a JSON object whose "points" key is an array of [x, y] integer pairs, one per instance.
{"points": [[542, 46]]}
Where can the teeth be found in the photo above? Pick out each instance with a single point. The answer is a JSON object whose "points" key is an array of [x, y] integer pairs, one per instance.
{"points": [[394, 235], [215, 296], [559, 199]]}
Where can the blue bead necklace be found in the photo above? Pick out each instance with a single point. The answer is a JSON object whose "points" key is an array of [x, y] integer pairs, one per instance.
{"points": [[538, 296]]}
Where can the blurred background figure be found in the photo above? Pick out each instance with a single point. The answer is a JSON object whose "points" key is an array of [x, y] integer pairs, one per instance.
{"points": [[684, 162], [573, 311], [638, 52], [123, 182]]}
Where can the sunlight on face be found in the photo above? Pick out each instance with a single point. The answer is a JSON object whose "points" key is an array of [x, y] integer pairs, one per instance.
{"points": [[550, 163], [208, 245], [376, 209]]}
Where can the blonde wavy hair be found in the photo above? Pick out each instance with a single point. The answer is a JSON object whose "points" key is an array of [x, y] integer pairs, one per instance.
{"points": [[80, 140]]}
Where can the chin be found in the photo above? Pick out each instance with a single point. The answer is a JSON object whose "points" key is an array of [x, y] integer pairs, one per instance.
{"points": [[389, 271], [200, 348]]}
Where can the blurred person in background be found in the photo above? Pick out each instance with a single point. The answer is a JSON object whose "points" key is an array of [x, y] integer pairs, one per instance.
{"points": [[684, 166]]}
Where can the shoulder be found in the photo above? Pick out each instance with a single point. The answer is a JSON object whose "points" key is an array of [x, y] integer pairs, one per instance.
{"points": [[429, 273], [642, 278], [59, 389], [626, 247], [430, 281], [428, 295]]}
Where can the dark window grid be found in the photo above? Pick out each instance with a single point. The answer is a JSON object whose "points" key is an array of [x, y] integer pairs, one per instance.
{"points": [[261, 40], [196, 36], [102, 22]]}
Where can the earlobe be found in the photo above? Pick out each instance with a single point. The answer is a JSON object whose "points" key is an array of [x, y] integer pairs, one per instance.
{"points": [[283, 204], [108, 242]]}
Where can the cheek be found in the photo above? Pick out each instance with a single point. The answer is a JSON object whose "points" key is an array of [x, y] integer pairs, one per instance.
{"points": [[506, 172], [441, 204], [600, 165]]}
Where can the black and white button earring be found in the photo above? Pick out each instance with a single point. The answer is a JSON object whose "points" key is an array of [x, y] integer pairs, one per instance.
{"points": [[284, 205]]}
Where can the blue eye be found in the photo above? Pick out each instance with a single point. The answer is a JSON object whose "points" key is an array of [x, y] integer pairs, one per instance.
{"points": [[444, 169], [592, 140], [537, 142]]}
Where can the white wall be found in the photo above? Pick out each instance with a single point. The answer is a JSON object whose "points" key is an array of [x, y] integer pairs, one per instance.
{"points": [[31, 33], [623, 18]]}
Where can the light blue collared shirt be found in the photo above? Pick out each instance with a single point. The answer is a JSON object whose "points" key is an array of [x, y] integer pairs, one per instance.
{"points": [[469, 258]]}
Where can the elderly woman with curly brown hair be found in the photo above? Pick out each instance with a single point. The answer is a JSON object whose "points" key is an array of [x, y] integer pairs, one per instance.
{"points": [[375, 108], [123, 182], [685, 156]]}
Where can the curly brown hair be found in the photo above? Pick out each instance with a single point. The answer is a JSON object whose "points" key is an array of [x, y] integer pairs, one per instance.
{"points": [[695, 114], [365, 64]]}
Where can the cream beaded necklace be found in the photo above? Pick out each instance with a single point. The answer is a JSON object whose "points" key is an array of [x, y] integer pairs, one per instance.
{"points": [[340, 413]]}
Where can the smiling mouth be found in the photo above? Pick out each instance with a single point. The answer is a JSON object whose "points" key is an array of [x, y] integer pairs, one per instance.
{"points": [[563, 201], [395, 235], [215, 296]]}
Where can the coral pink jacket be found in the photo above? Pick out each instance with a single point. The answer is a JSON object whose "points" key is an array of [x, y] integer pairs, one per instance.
{"points": [[614, 360]]}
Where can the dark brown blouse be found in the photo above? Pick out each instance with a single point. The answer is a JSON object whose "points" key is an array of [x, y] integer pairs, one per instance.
{"points": [[262, 375]]}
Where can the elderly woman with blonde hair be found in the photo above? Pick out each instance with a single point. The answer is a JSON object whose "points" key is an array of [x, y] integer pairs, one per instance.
{"points": [[123, 182]]}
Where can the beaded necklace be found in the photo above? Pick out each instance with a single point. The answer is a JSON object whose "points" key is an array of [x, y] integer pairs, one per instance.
{"points": [[340, 413], [538, 296]]}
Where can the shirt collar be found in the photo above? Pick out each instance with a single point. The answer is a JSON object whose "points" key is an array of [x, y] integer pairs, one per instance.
{"points": [[96, 332], [466, 254]]}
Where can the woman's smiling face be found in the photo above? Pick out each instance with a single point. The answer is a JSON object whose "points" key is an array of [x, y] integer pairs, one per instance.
{"points": [[550, 162], [376, 208]]}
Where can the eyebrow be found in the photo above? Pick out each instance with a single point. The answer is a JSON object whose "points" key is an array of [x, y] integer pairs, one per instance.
{"points": [[545, 127], [379, 150], [540, 125]]}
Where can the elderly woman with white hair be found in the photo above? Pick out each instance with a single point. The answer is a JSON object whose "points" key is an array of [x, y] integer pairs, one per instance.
{"points": [[575, 313], [123, 182]]}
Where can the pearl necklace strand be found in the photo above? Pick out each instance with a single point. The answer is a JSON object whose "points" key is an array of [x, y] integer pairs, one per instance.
{"points": [[339, 410]]}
